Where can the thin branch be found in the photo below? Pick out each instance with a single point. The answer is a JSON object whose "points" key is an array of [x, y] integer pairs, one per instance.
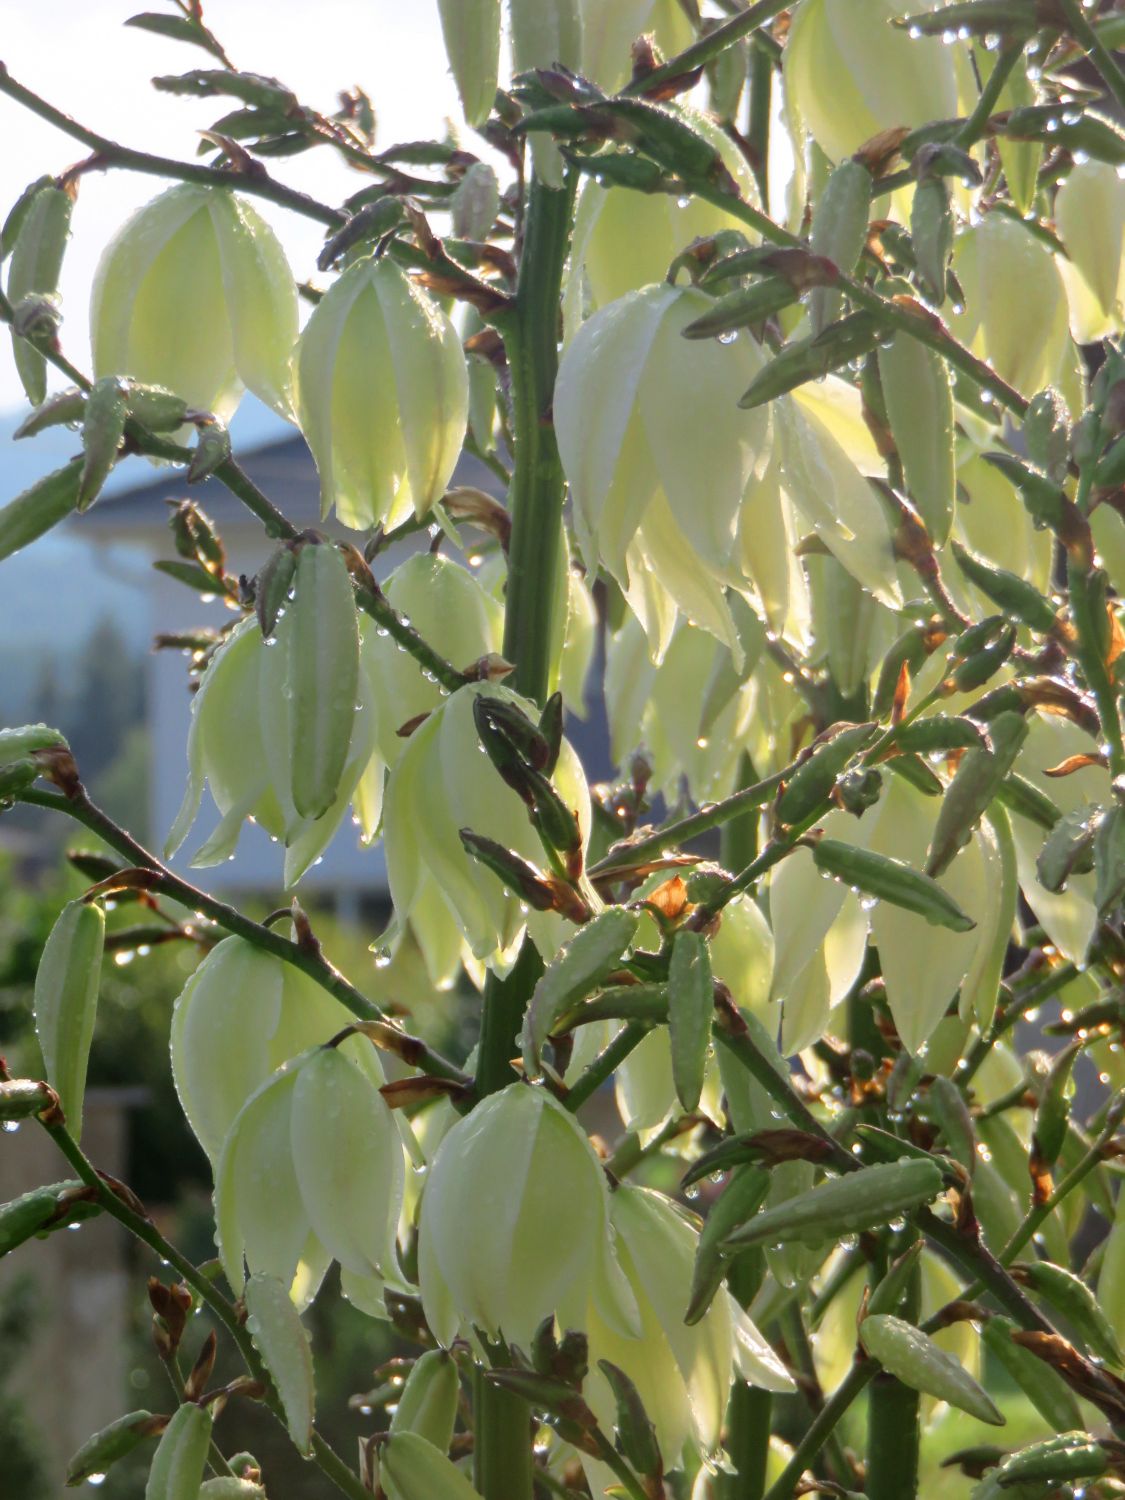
{"points": [[692, 58], [310, 961], [113, 154]]}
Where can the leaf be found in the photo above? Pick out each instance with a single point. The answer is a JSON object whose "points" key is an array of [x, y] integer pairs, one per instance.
{"points": [[178, 28]]}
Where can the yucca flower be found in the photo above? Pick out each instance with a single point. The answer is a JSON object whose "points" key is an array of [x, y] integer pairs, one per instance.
{"points": [[443, 782], [382, 395], [237, 745], [659, 455], [850, 74], [1003, 270], [625, 239], [682, 1372], [1090, 217], [494, 1255], [194, 293]]}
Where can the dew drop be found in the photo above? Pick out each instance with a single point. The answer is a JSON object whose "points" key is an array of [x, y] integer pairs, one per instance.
{"points": [[10, 1126]]}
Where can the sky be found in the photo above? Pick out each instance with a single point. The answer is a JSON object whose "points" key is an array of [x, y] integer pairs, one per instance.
{"points": [[78, 55]]}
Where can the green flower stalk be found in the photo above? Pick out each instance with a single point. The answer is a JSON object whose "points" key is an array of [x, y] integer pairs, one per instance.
{"points": [[382, 395], [194, 293]]}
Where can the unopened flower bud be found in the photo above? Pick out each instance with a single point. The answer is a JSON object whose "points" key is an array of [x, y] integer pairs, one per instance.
{"points": [[847, 84], [195, 294], [410, 1468], [506, 1268], [181, 1455], [382, 395], [428, 1402], [33, 275], [66, 1002], [212, 448], [473, 206], [114, 1441]]}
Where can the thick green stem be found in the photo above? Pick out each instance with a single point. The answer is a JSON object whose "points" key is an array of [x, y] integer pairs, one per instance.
{"points": [[893, 1438], [531, 329], [821, 1428], [538, 483], [749, 1416]]}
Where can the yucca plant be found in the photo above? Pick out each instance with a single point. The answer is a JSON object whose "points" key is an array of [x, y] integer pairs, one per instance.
{"points": [[774, 324]]}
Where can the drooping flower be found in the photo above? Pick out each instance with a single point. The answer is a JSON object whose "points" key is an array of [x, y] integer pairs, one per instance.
{"points": [[850, 73], [658, 454], [194, 293], [443, 783], [1090, 217], [382, 395], [494, 1253]]}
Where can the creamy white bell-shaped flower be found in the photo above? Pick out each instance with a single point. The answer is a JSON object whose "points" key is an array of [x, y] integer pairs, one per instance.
{"points": [[850, 73], [312, 1169], [610, 27], [656, 450], [382, 395], [683, 1373], [241, 1015], [1090, 217], [444, 782], [625, 239], [495, 1253], [646, 700], [194, 293], [453, 613], [237, 745], [1003, 270]]}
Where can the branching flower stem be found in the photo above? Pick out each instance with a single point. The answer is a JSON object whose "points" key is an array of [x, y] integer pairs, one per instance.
{"points": [[309, 959]]}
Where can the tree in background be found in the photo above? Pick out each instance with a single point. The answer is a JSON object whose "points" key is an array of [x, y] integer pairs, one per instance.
{"points": [[773, 329]]}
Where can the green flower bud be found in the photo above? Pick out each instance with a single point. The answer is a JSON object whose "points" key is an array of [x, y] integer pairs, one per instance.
{"points": [[111, 1443], [181, 1456], [913, 1358], [1003, 269], [36, 263], [410, 1468], [576, 971], [275, 1326], [241, 1015], [657, 453], [682, 1372], [382, 395], [471, 29], [848, 82], [428, 1403], [473, 206], [103, 427], [1069, 916], [626, 239], [493, 1254], [225, 1487], [839, 232], [441, 784], [1090, 217], [239, 743], [32, 514], [919, 399], [194, 293], [609, 31], [66, 1002]]}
